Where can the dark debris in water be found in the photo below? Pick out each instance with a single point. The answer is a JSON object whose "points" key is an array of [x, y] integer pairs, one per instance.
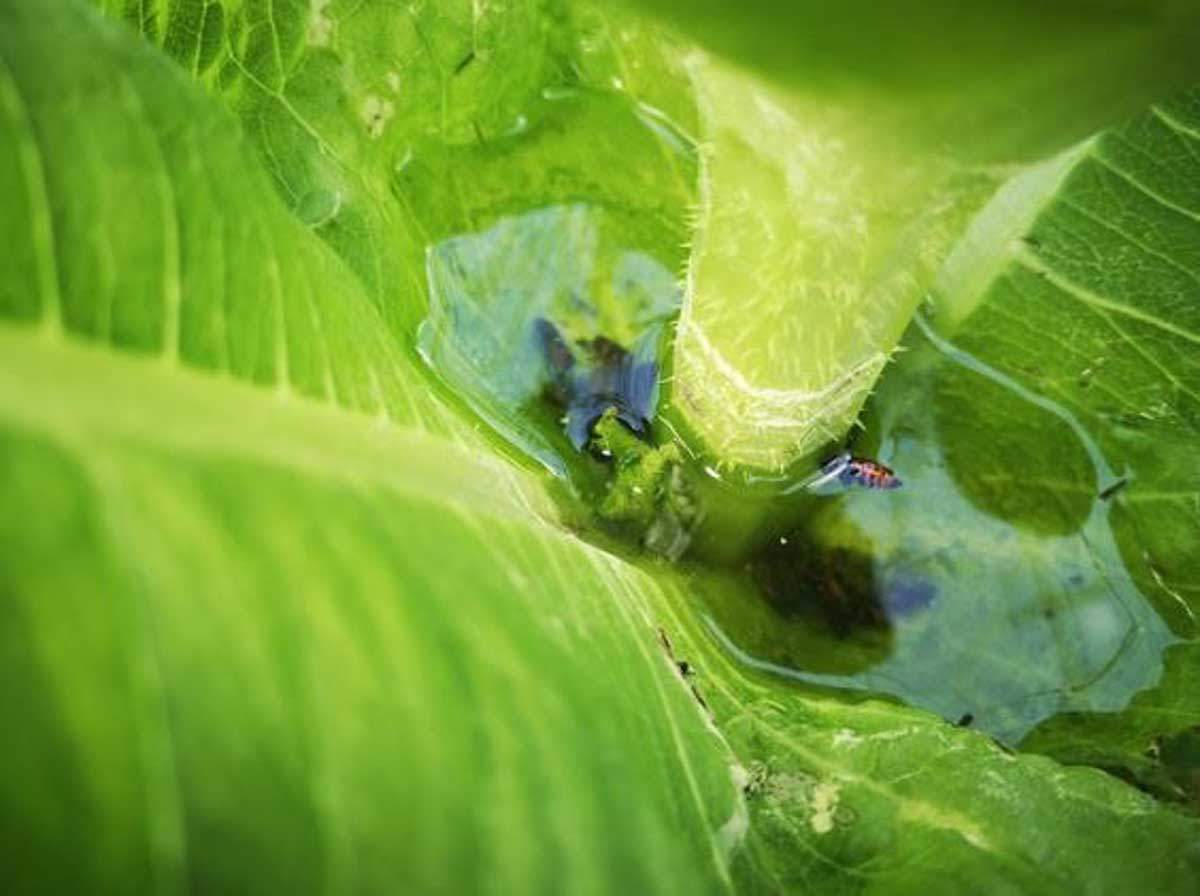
{"points": [[684, 668], [904, 595], [838, 585], [1112, 490]]}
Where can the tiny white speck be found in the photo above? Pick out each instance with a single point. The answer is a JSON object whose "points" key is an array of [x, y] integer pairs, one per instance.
{"points": [[520, 123]]}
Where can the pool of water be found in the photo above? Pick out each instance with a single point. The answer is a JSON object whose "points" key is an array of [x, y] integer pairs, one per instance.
{"points": [[969, 591], [993, 588]]}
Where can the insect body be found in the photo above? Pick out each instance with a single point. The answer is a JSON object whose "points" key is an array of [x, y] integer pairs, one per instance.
{"points": [[868, 474], [847, 472]]}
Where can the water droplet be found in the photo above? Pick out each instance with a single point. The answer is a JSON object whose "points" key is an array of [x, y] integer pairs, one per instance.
{"points": [[519, 126], [554, 94], [317, 208], [403, 161]]}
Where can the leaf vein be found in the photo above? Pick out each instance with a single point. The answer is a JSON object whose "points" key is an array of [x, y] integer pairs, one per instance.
{"points": [[1141, 350], [1132, 240], [30, 158], [1191, 134], [1087, 296], [172, 290], [1145, 189]]}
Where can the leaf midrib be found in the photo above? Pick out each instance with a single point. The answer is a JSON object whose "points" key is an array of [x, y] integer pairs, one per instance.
{"points": [[77, 391]]}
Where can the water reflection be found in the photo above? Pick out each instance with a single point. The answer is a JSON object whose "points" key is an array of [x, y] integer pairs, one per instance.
{"points": [[1010, 616], [534, 306], [551, 265], [604, 375]]}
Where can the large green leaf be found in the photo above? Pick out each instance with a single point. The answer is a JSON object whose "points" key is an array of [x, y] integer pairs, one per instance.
{"points": [[1094, 308], [276, 618], [159, 233], [402, 138], [1038, 572], [339, 97], [310, 653], [263, 646], [833, 192], [255, 641], [374, 120]]}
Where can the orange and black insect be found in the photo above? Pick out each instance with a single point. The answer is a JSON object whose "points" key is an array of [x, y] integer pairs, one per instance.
{"points": [[868, 474], [850, 471]]}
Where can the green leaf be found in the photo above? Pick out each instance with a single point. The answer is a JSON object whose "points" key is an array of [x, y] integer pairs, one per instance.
{"points": [[309, 652], [1140, 742], [1094, 308], [373, 121], [337, 96], [1038, 570], [257, 640], [832, 195], [449, 149], [881, 798], [278, 618], [158, 232]]}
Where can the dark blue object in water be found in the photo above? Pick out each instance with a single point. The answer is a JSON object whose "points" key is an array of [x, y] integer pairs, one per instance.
{"points": [[608, 376]]}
